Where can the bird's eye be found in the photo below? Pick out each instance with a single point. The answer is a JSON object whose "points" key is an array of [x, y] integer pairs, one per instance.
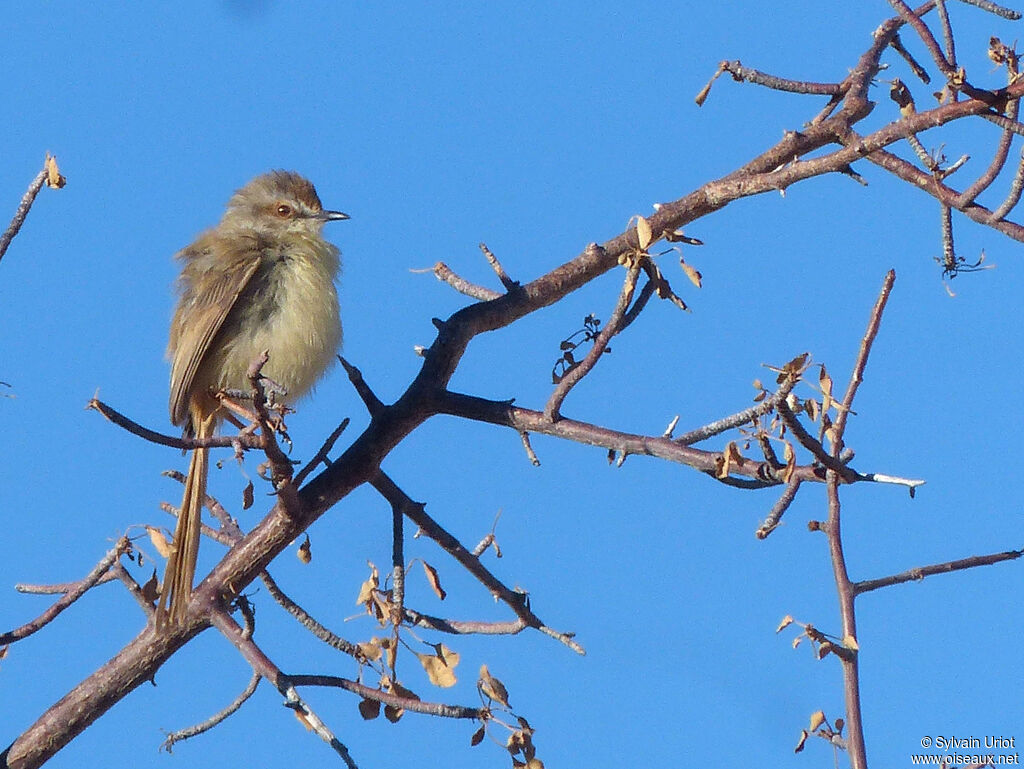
{"points": [[284, 210]]}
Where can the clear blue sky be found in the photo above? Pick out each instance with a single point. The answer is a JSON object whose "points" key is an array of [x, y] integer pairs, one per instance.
{"points": [[536, 130]]}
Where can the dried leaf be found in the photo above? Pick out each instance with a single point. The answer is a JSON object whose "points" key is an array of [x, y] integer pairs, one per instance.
{"points": [[492, 687], [478, 736], [824, 650], [369, 709], [440, 666], [434, 580], [370, 650], [811, 407], [786, 622], [643, 232], [304, 553], [392, 713], [840, 723], [367, 589], [159, 540], [817, 719], [789, 454], [694, 276], [825, 383], [248, 496], [803, 739], [797, 641], [151, 590]]}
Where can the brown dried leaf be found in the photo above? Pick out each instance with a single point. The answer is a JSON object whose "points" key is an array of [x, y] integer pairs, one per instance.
{"points": [[492, 687], [248, 496], [478, 736], [304, 553], [817, 719], [151, 590], [825, 383], [786, 622], [159, 540], [789, 454], [803, 739], [824, 650], [440, 666], [434, 580], [367, 589], [369, 709], [392, 713], [694, 276], [369, 650], [644, 235]]}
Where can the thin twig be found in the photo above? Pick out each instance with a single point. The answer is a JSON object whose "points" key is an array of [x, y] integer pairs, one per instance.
{"points": [[515, 600], [306, 620], [774, 517], [216, 718], [264, 667], [611, 328], [216, 441], [373, 404], [444, 273], [322, 455], [123, 546], [857, 375], [743, 417], [847, 653], [506, 281], [1013, 196], [49, 168], [920, 572]]}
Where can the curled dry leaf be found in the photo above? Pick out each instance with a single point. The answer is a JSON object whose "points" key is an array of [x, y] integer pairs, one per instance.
{"points": [[305, 553], [440, 666], [695, 277], [803, 739], [817, 719], [159, 540], [492, 688], [789, 454], [644, 235], [786, 622], [370, 650], [369, 709], [825, 383], [434, 580], [151, 590], [248, 496], [367, 589]]}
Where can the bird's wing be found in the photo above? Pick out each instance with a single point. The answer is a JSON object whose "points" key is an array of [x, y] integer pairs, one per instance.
{"points": [[214, 276]]}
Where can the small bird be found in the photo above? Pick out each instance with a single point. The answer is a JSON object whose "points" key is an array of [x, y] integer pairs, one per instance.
{"points": [[261, 280]]}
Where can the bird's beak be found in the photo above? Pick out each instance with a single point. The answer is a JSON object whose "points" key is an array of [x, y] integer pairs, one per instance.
{"points": [[332, 216]]}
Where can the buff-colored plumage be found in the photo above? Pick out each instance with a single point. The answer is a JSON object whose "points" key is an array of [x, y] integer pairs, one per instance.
{"points": [[262, 280]]}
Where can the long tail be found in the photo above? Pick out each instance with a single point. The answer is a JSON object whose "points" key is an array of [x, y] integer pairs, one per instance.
{"points": [[181, 566]]}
